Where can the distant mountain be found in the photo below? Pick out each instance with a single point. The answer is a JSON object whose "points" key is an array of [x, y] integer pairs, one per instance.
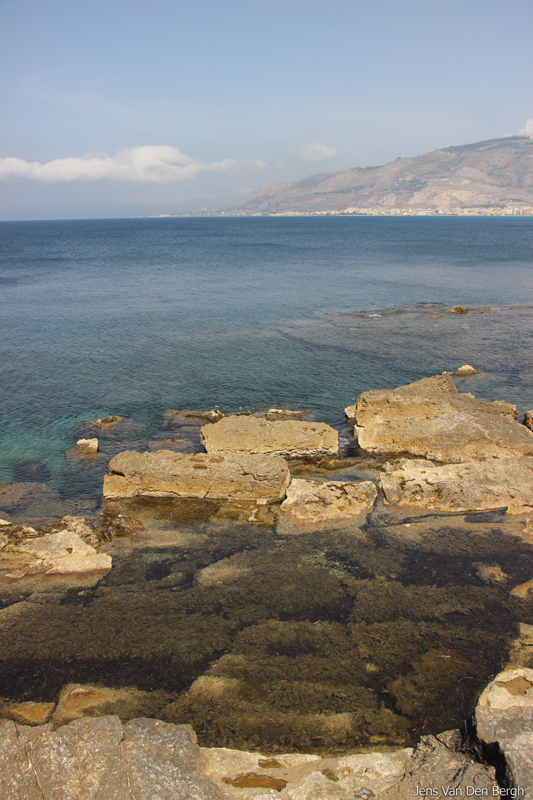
{"points": [[495, 173]]}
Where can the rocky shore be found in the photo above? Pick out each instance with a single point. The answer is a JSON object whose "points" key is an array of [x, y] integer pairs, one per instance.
{"points": [[280, 551]]}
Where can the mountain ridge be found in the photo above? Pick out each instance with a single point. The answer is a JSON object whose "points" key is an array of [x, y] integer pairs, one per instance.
{"points": [[491, 174]]}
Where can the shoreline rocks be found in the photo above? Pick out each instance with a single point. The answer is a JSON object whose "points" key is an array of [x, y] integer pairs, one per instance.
{"points": [[430, 419], [165, 473], [315, 504], [61, 556], [257, 435], [468, 486]]}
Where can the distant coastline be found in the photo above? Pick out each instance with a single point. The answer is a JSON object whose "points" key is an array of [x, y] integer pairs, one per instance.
{"points": [[508, 211]]}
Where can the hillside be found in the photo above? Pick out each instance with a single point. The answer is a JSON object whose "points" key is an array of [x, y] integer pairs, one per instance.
{"points": [[494, 173]]}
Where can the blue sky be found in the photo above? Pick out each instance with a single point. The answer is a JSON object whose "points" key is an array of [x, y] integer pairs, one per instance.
{"points": [[164, 107]]}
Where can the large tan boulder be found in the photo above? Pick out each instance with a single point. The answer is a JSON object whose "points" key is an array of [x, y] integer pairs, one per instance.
{"points": [[291, 438], [431, 419], [165, 473], [471, 486], [314, 504]]}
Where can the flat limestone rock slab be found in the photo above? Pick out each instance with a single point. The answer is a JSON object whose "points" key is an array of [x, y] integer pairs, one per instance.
{"points": [[469, 486], [431, 419], [164, 473], [291, 438], [313, 504]]}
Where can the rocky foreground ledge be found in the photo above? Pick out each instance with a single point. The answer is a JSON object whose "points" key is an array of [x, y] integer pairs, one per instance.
{"points": [[434, 448], [147, 759]]}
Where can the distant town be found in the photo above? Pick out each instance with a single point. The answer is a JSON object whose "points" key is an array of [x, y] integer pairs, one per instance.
{"points": [[497, 211]]}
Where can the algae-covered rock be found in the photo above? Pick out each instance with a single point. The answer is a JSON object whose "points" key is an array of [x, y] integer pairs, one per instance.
{"points": [[429, 418], [174, 417], [29, 713], [288, 437], [164, 473], [85, 700]]}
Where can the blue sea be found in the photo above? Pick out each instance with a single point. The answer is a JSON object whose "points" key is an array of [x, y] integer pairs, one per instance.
{"points": [[133, 317]]}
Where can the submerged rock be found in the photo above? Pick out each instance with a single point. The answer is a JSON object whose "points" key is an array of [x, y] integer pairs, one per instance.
{"points": [[85, 700], [457, 310], [25, 498], [111, 427], [291, 438], [107, 422], [429, 418], [239, 476], [174, 417], [314, 504], [470, 486], [27, 713]]}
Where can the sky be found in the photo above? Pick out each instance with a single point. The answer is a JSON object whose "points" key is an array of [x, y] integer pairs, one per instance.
{"points": [[121, 108]]}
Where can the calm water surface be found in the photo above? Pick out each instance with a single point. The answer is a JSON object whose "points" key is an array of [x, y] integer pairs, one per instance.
{"points": [[132, 317]]}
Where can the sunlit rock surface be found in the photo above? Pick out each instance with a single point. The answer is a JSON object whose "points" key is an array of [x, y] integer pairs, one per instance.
{"points": [[468, 486], [53, 556], [431, 419], [313, 504], [288, 437], [240, 476]]}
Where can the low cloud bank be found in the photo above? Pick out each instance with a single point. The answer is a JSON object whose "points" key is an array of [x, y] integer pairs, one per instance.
{"points": [[528, 130], [147, 163], [317, 151]]}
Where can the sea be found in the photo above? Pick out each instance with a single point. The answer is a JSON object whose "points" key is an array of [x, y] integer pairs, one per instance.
{"points": [[132, 317], [335, 641]]}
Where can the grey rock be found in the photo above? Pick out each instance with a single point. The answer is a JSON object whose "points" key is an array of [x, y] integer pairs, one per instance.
{"points": [[518, 754], [99, 759], [433, 765]]}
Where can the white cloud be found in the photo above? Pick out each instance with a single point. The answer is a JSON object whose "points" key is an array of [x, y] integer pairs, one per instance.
{"points": [[528, 130], [317, 151], [147, 163]]}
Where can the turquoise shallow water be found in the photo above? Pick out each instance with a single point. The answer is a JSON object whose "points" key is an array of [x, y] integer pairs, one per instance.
{"points": [[132, 317]]}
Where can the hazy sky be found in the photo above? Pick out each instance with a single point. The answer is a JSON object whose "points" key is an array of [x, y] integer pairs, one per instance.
{"points": [[127, 107]]}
